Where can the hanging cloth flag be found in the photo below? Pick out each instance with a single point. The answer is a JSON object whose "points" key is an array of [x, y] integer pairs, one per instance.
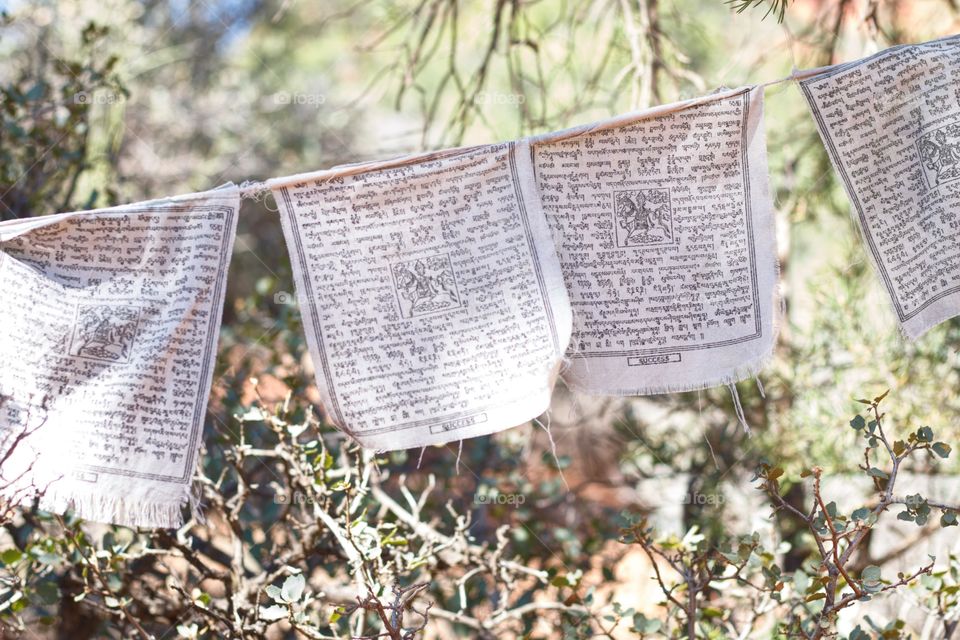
{"points": [[107, 343], [891, 126], [664, 229], [431, 295]]}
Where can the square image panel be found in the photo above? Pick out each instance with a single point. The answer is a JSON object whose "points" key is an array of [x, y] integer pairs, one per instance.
{"points": [[105, 332], [643, 217], [426, 285], [940, 154]]}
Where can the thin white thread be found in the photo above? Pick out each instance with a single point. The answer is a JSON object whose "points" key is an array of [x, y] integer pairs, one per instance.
{"points": [[420, 459], [739, 409], [259, 190], [703, 432], [253, 189], [553, 448], [554, 136], [459, 453]]}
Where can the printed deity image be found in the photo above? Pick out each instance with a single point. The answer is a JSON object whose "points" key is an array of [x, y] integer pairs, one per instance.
{"points": [[643, 217], [104, 332], [425, 285], [940, 154]]}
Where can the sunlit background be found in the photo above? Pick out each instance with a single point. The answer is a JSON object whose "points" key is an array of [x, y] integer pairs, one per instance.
{"points": [[113, 101]]}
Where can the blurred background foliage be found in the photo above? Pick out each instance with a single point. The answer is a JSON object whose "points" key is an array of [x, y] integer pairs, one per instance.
{"points": [[112, 101]]}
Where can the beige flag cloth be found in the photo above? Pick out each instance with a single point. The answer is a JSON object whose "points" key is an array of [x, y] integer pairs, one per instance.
{"points": [[665, 233], [891, 125], [107, 344], [431, 294]]}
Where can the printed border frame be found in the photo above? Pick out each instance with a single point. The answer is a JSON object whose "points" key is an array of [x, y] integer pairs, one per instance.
{"points": [[865, 231], [216, 310]]}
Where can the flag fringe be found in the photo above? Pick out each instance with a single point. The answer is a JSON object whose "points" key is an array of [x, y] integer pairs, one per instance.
{"points": [[96, 506]]}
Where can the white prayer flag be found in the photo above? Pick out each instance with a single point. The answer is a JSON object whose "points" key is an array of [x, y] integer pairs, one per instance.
{"points": [[107, 343], [431, 295], [664, 229], [891, 126]]}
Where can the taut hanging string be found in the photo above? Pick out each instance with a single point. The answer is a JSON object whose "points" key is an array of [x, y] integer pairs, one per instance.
{"points": [[254, 189]]}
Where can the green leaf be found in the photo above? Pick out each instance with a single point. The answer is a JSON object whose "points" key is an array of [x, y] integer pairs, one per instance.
{"points": [[860, 514], [11, 556], [870, 573], [858, 422], [273, 613], [948, 519], [925, 434], [942, 449], [732, 558], [905, 515], [48, 592], [273, 591], [35, 92], [292, 588], [643, 624], [877, 473], [859, 634], [46, 557], [929, 582]]}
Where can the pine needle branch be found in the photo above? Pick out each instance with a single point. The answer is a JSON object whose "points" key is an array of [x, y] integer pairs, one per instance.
{"points": [[775, 7]]}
